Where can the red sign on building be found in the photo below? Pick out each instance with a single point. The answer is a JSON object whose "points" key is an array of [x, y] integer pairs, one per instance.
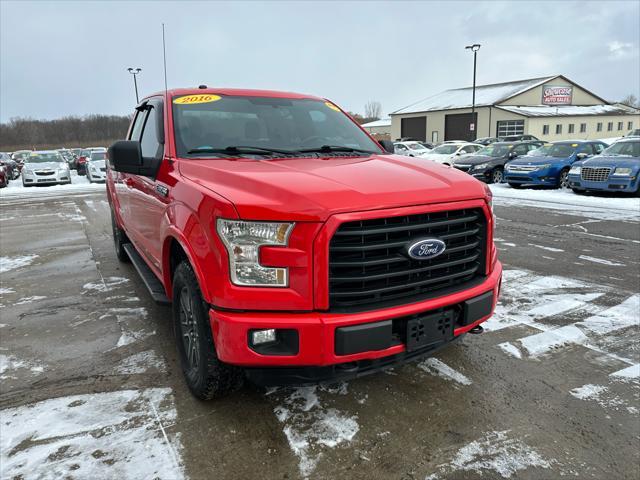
{"points": [[557, 95]]}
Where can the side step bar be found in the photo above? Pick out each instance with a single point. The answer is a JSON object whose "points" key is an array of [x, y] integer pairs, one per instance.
{"points": [[148, 277]]}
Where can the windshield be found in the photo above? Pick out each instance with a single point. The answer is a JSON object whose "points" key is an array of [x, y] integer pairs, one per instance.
{"points": [[98, 155], [631, 149], [44, 157], [416, 146], [446, 149], [558, 150], [495, 150], [284, 124]]}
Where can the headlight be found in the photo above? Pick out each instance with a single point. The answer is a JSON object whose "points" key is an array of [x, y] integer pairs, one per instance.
{"points": [[543, 167], [482, 165], [243, 241], [622, 171], [576, 169]]}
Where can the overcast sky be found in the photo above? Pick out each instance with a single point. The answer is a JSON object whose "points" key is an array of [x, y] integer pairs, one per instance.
{"points": [[60, 58]]}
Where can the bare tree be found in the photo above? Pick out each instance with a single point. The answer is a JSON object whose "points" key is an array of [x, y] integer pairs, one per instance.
{"points": [[373, 110], [631, 100]]}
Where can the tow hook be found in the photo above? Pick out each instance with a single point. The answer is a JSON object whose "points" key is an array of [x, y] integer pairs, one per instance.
{"points": [[477, 330]]}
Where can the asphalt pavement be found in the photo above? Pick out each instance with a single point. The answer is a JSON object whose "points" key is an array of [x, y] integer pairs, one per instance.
{"points": [[91, 386]]}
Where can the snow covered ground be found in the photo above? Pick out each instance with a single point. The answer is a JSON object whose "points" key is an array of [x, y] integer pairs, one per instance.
{"points": [[603, 207], [79, 184]]}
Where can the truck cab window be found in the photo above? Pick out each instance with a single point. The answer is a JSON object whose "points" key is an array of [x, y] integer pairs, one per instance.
{"points": [[149, 143]]}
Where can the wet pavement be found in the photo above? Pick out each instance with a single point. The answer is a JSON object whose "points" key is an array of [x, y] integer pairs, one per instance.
{"points": [[91, 386]]}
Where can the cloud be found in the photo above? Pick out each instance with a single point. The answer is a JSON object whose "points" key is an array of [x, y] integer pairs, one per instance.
{"points": [[621, 49]]}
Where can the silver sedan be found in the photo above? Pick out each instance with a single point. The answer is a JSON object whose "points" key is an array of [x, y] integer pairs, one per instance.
{"points": [[45, 167]]}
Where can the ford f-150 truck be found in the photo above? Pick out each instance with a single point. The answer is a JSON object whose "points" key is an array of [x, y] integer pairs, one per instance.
{"points": [[292, 247]]}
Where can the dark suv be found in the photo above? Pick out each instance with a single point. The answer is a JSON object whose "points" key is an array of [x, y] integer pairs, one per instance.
{"points": [[488, 163]]}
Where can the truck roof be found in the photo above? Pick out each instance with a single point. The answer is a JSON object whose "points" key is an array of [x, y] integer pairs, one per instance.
{"points": [[175, 92]]}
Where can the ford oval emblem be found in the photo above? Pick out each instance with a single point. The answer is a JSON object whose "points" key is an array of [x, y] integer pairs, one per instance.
{"points": [[426, 249]]}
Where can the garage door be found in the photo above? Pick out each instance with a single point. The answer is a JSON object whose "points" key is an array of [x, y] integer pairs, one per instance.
{"points": [[414, 128], [456, 127]]}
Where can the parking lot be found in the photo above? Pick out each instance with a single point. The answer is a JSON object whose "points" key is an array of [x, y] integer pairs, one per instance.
{"points": [[91, 386]]}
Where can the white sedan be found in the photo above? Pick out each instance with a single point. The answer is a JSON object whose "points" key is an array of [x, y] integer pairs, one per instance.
{"points": [[448, 152], [410, 149]]}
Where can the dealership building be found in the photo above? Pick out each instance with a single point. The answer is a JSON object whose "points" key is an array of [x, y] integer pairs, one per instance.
{"points": [[550, 108]]}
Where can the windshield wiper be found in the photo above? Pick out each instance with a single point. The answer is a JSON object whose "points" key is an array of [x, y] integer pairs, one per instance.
{"points": [[242, 150], [335, 148]]}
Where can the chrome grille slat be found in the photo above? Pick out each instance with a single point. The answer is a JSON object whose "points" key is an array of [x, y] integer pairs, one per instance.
{"points": [[595, 174]]}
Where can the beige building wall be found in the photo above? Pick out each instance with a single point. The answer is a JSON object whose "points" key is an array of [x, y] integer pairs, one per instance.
{"points": [[534, 96], [536, 126], [378, 130], [486, 127]]}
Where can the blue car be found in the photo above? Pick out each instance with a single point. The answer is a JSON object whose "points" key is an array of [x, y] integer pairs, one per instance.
{"points": [[615, 170], [550, 164]]}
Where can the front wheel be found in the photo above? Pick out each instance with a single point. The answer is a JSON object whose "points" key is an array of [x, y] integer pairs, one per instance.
{"points": [[497, 176], [206, 376], [563, 181]]}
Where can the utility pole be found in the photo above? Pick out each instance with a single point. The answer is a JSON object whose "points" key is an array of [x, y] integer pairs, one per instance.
{"points": [[473, 127], [134, 72]]}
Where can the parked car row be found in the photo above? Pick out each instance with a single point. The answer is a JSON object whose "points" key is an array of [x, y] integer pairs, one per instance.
{"points": [[523, 160], [49, 166]]}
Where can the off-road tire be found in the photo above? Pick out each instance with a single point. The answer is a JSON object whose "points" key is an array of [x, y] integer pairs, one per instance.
{"points": [[205, 375], [119, 239]]}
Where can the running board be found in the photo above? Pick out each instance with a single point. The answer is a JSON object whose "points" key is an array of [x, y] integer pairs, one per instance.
{"points": [[148, 277]]}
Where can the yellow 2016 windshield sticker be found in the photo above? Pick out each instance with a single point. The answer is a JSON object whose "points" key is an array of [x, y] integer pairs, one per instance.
{"points": [[193, 99], [332, 106], [574, 144]]}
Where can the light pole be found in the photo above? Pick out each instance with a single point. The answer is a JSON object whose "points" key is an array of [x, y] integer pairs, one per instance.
{"points": [[134, 72], [474, 48]]}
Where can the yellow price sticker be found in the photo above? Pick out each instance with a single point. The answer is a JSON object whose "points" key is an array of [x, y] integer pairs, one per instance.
{"points": [[194, 99], [574, 144], [332, 106]]}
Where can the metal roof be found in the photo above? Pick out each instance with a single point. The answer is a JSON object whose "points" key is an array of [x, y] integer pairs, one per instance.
{"points": [[384, 122], [569, 110], [485, 95]]}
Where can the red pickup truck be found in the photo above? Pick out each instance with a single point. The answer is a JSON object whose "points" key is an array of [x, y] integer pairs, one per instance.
{"points": [[292, 246]]}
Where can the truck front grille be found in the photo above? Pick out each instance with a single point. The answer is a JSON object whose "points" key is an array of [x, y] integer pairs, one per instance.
{"points": [[369, 267], [593, 174]]}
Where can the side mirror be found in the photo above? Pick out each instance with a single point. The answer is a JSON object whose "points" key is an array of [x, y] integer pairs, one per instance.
{"points": [[512, 155], [125, 156], [582, 156], [387, 145]]}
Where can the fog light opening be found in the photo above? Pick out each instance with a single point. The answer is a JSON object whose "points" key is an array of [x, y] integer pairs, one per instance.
{"points": [[260, 337]]}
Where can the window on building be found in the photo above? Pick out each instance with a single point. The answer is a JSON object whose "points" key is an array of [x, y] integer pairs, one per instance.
{"points": [[571, 127], [620, 125], [559, 129], [610, 127], [506, 128], [599, 127], [583, 127], [630, 126], [545, 129]]}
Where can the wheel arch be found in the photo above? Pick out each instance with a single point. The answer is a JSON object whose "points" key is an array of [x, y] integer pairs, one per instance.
{"points": [[175, 249]]}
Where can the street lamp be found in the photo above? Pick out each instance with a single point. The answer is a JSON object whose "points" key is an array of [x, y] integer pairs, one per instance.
{"points": [[474, 48], [134, 72]]}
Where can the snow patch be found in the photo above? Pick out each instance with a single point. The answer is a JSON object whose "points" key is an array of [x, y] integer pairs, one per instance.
{"points": [[441, 369], [309, 427], [621, 316], [550, 249], [4, 291], [601, 261], [103, 435], [106, 285], [9, 364], [494, 454], [511, 349], [24, 300], [630, 373], [140, 363], [541, 343], [11, 263]]}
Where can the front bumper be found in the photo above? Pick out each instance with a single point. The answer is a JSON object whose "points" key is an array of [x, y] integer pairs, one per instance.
{"points": [[612, 184], [46, 178], [536, 177], [317, 334]]}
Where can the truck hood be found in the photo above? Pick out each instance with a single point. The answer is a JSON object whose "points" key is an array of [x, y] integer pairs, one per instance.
{"points": [[313, 189]]}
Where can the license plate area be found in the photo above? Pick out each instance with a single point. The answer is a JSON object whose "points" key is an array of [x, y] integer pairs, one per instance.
{"points": [[428, 331]]}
